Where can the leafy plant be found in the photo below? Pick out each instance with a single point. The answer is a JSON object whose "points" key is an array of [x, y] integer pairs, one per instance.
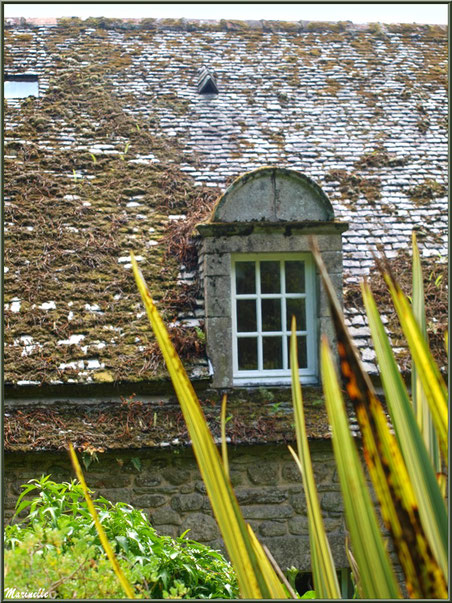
{"points": [[399, 465], [136, 462], [255, 575], [88, 457], [57, 548], [38, 563], [200, 334], [275, 408], [403, 478]]}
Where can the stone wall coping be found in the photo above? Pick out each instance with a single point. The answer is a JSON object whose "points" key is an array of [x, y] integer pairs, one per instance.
{"points": [[227, 229], [258, 415]]}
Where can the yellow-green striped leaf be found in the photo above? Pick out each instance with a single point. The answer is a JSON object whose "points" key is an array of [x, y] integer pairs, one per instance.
{"points": [[420, 402], [100, 530], [275, 587], [428, 495], [224, 448], [432, 382], [325, 578], [387, 468], [252, 582], [377, 578]]}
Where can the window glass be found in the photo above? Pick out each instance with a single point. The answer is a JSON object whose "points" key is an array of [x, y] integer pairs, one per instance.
{"points": [[296, 307], [270, 277], [20, 88], [271, 314], [245, 275], [272, 352], [269, 290], [295, 281], [247, 352], [246, 315], [301, 350]]}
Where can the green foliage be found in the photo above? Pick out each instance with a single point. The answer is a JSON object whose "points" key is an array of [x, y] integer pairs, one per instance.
{"points": [[398, 463], [275, 407], [403, 478], [200, 334], [38, 562], [57, 548], [136, 463], [257, 579], [88, 458]]}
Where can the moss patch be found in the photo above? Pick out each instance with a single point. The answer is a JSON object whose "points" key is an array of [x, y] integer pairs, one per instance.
{"points": [[332, 87], [255, 416], [426, 191], [380, 158], [353, 187]]}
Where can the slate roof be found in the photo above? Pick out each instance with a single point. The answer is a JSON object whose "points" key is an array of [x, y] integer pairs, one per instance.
{"points": [[120, 152]]}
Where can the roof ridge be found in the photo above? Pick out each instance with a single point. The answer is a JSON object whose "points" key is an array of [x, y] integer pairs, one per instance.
{"points": [[225, 24]]}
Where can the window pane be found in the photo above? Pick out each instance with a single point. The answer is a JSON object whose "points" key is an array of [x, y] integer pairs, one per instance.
{"points": [[246, 315], [270, 277], [295, 277], [271, 314], [302, 351], [247, 347], [20, 89], [272, 352], [245, 277], [297, 308]]}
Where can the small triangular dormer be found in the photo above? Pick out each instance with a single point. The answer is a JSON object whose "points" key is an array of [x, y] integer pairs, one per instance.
{"points": [[206, 82]]}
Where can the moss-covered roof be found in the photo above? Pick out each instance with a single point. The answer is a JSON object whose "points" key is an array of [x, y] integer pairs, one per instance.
{"points": [[119, 152], [253, 417]]}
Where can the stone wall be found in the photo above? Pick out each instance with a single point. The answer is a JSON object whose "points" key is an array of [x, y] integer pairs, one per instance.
{"points": [[168, 486]]}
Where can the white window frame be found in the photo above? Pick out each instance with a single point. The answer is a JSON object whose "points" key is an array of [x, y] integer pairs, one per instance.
{"points": [[276, 376]]}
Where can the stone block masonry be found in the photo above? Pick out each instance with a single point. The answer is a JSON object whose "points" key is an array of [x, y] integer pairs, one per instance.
{"points": [[168, 487]]}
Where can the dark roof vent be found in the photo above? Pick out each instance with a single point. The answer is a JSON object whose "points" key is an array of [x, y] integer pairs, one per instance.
{"points": [[206, 82]]}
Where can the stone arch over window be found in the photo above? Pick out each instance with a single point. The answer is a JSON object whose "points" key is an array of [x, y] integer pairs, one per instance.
{"points": [[258, 271], [273, 195]]}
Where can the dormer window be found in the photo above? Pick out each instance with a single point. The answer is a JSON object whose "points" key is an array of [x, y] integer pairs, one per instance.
{"points": [[20, 86], [258, 272], [267, 290], [207, 83]]}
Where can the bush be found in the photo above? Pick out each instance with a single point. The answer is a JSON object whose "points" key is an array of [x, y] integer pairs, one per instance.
{"points": [[56, 548]]}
